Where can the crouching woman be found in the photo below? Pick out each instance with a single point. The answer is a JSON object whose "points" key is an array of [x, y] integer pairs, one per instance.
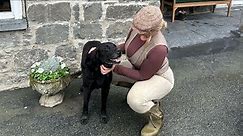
{"points": [[146, 69]]}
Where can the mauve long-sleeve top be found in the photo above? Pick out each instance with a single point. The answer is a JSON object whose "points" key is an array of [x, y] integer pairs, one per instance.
{"points": [[149, 66]]}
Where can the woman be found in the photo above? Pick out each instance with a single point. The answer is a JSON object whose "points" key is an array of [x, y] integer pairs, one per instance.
{"points": [[146, 67]]}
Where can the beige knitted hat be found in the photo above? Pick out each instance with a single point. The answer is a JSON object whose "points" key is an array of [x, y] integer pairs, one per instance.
{"points": [[148, 19]]}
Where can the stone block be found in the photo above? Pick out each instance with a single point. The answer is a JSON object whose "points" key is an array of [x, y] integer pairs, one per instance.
{"points": [[19, 79], [51, 34], [3, 65], [59, 11], [38, 0], [118, 30], [92, 12], [13, 25], [121, 1], [121, 11], [154, 2], [52, 12], [9, 39], [25, 58], [88, 31], [241, 22], [38, 13], [81, 45], [76, 12], [97, 0], [66, 52]]}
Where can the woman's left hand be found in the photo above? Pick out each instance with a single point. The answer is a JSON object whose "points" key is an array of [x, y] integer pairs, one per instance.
{"points": [[104, 70]]}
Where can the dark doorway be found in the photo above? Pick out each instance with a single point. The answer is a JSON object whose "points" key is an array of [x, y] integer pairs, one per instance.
{"points": [[5, 5]]}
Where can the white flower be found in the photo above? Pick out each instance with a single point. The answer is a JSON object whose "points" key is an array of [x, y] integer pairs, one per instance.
{"points": [[63, 65], [33, 66], [32, 70], [59, 58], [36, 64], [40, 70]]}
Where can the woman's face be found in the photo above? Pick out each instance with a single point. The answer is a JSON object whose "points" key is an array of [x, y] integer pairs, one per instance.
{"points": [[144, 37]]}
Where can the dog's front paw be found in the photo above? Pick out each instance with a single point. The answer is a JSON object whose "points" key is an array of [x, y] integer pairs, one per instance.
{"points": [[103, 119], [84, 119]]}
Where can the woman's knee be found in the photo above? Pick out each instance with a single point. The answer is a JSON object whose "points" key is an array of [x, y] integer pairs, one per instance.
{"points": [[136, 103]]}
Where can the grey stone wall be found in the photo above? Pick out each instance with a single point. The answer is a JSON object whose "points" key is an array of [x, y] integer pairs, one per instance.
{"points": [[241, 22], [62, 27]]}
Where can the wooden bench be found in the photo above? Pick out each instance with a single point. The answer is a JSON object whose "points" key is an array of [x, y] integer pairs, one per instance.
{"points": [[175, 4]]}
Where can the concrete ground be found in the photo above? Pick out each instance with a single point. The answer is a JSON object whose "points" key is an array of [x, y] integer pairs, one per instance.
{"points": [[202, 27], [206, 101]]}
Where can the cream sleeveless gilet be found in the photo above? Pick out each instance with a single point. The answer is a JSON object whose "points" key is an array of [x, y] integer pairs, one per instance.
{"points": [[141, 54]]}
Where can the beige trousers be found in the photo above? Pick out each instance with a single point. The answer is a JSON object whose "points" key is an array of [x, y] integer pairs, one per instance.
{"points": [[141, 95]]}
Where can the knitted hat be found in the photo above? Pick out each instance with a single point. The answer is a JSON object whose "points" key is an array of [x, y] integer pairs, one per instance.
{"points": [[148, 19]]}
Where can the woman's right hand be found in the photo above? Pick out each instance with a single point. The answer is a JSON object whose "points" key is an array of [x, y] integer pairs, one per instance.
{"points": [[104, 70]]}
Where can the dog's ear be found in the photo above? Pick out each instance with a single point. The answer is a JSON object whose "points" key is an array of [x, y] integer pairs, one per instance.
{"points": [[94, 54], [99, 51], [97, 55], [92, 58]]}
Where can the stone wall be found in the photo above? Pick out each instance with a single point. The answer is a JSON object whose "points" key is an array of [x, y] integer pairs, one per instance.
{"points": [[61, 27], [241, 23]]}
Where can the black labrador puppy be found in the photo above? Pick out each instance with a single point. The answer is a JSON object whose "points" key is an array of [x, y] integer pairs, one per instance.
{"points": [[94, 55]]}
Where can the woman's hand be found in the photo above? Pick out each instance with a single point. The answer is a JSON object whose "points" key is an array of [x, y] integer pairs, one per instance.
{"points": [[104, 70]]}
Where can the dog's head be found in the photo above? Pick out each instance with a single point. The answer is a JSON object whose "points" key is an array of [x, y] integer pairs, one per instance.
{"points": [[108, 54]]}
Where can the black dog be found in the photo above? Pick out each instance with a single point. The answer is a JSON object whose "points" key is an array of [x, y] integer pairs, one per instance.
{"points": [[94, 55]]}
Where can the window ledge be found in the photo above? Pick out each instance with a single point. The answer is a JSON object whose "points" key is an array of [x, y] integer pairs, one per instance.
{"points": [[13, 24]]}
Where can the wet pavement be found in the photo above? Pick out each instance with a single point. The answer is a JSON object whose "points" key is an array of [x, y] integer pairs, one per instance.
{"points": [[202, 28], [206, 101]]}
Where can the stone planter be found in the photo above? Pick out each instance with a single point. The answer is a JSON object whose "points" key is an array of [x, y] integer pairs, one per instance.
{"points": [[52, 90]]}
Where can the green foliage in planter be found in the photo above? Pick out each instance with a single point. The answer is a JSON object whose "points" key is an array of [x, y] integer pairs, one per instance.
{"points": [[50, 69]]}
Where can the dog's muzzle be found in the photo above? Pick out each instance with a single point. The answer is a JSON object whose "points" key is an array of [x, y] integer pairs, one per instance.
{"points": [[113, 60]]}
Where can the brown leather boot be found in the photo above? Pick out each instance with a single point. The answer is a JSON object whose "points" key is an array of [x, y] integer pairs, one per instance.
{"points": [[155, 122]]}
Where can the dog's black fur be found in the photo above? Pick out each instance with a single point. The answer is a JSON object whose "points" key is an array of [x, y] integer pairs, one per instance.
{"points": [[104, 54]]}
